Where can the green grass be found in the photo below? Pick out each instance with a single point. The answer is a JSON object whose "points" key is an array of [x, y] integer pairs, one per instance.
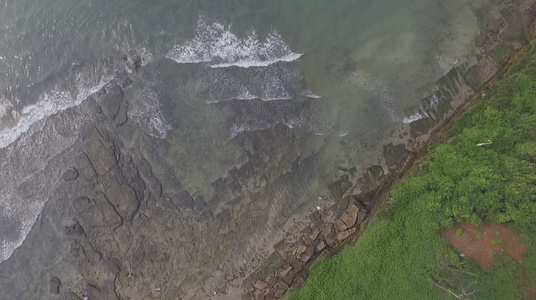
{"points": [[398, 252], [400, 255], [459, 232]]}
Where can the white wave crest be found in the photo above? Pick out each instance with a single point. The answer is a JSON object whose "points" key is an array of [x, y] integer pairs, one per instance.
{"points": [[217, 45], [415, 117], [48, 104]]}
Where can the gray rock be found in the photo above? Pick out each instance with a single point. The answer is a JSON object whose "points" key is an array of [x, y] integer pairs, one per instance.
{"points": [[122, 116], [70, 174], [183, 200], [82, 203], [494, 25], [102, 214], [123, 198], [133, 59], [54, 285], [110, 102], [86, 168], [480, 40], [74, 230], [101, 153]]}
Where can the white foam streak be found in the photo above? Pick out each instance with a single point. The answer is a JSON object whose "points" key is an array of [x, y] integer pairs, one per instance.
{"points": [[217, 45], [258, 63], [48, 104], [415, 117]]}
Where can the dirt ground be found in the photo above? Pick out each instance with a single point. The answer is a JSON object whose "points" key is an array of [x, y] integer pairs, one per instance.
{"points": [[484, 242]]}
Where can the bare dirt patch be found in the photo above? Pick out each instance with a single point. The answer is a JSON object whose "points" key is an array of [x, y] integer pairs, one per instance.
{"points": [[485, 241]]}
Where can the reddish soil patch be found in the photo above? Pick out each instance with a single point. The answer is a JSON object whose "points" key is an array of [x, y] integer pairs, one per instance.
{"points": [[484, 242]]}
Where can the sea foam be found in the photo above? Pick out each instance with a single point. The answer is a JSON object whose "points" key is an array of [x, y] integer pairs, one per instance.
{"points": [[48, 104], [415, 117], [216, 45]]}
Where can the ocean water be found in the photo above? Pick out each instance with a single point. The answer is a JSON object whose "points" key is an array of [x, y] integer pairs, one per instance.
{"points": [[343, 72]]}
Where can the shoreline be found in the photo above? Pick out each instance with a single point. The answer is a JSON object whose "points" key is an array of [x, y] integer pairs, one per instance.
{"points": [[274, 282]]}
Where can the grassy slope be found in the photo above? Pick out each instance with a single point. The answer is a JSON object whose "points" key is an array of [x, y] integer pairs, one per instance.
{"points": [[400, 254]]}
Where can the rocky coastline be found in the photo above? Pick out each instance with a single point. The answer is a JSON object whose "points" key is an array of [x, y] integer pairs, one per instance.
{"points": [[119, 225], [357, 198]]}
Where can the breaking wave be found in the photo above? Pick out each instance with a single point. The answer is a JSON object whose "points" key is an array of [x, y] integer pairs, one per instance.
{"points": [[216, 45]]}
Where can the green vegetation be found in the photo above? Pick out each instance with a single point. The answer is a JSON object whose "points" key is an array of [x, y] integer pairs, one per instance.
{"points": [[496, 242], [459, 232], [497, 233], [402, 256]]}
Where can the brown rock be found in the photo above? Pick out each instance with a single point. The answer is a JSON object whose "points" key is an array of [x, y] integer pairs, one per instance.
{"points": [[297, 265], [54, 285], [310, 251], [327, 232], [307, 230], [289, 278], [494, 25], [301, 249], [272, 282], [260, 285], [284, 271], [258, 295], [361, 216], [314, 234], [341, 236], [340, 225], [320, 246], [283, 285], [304, 257], [480, 40], [279, 294], [350, 216]]}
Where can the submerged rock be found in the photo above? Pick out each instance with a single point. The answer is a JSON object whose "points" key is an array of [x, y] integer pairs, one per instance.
{"points": [[54, 285], [70, 174]]}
